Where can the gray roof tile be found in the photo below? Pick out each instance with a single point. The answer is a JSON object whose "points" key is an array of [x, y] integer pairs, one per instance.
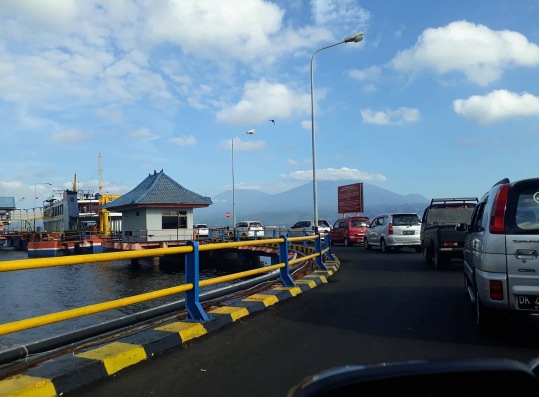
{"points": [[159, 188]]}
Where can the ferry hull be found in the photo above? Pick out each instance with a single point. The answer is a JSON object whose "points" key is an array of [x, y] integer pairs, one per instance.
{"points": [[41, 249]]}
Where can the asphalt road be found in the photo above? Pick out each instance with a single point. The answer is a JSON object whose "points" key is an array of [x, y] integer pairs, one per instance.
{"points": [[376, 308]]}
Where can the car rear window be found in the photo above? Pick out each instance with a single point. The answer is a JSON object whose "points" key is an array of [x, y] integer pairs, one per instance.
{"points": [[524, 216], [323, 224], [358, 223], [451, 214], [406, 219], [255, 224]]}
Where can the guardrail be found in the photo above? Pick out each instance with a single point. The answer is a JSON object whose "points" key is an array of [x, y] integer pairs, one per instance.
{"points": [[191, 288]]}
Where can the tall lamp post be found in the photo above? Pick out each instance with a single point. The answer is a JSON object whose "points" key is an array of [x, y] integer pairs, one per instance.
{"points": [[35, 199], [355, 38], [249, 132]]}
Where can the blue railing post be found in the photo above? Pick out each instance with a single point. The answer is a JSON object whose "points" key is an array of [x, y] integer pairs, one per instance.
{"points": [[318, 248], [283, 258], [305, 242], [192, 297]]}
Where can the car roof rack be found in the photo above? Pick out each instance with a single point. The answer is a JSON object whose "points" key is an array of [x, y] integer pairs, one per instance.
{"points": [[452, 200]]}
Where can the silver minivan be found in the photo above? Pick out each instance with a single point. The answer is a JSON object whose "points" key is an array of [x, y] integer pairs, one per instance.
{"points": [[501, 264], [397, 231]]}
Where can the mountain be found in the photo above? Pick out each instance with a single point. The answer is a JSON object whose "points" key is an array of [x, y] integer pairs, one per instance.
{"points": [[285, 208]]}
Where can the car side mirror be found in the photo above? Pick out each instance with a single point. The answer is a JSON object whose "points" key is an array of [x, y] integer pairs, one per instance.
{"points": [[462, 227]]}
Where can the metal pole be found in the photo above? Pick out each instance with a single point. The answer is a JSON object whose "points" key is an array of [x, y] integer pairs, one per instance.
{"points": [[233, 193], [355, 38], [35, 199], [249, 132], [313, 138]]}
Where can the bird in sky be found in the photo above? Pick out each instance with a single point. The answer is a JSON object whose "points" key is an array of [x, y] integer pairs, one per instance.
{"points": [[273, 121]]}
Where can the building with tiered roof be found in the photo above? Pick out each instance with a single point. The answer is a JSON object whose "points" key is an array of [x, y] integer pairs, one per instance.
{"points": [[158, 209]]}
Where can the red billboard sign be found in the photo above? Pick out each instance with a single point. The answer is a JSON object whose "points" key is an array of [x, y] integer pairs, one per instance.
{"points": [[350, 198]]}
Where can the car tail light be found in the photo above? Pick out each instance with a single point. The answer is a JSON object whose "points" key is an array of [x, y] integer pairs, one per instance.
{"points": [[496, 290], [497, 220], [390, 229], [450, 244]]}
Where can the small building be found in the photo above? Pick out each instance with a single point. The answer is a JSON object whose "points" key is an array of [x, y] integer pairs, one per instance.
{"points": [[158, 209], [7, 204]]}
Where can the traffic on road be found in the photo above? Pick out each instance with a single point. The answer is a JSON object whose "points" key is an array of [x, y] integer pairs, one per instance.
{"points": [[378, 308]]}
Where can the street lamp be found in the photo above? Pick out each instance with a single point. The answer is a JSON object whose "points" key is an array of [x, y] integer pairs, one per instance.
{"points": [[35, 199], [249, 132], [355, 38]]}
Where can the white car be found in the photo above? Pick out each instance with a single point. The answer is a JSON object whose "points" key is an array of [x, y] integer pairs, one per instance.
{"points": [[306, 228], [394, 231], [202, 230], [249, 229]]}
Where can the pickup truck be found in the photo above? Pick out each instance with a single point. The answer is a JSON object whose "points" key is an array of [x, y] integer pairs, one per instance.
{"points": [[440, 239]]}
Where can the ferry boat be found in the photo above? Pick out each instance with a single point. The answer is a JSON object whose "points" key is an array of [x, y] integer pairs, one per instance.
{"points": [[74, 223]]}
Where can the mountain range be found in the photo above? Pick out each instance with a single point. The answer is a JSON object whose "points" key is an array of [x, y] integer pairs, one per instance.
{"points": [[286, 208]]}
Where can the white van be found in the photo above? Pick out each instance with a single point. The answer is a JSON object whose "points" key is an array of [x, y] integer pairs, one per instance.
{"points": [[501, 252], [249, 229]]}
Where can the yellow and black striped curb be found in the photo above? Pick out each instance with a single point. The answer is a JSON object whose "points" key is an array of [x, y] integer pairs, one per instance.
{"points": [[69, 372]]}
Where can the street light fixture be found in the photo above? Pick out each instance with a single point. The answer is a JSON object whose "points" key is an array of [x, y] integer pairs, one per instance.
{"points": [[35, 199], [355, 38], [249, 132]]}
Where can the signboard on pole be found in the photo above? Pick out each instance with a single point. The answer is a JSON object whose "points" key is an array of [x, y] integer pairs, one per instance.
{"points": [[350, 198], [227, 214]]}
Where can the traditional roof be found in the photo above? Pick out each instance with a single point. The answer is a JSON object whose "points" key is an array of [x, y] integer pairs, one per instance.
{"points": [[7, 203], [158, 189]]}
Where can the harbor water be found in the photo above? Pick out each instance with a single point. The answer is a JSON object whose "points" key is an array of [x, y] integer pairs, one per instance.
{"points": [[29, 293]]}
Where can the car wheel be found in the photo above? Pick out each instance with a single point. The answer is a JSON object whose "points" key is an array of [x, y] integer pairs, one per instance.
{"points": [[383, 246], [440, 260], [427, 255], [366, 244]]}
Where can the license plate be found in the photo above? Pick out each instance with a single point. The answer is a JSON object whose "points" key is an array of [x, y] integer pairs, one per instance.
{"points": [[408, 232], [528, 302]]}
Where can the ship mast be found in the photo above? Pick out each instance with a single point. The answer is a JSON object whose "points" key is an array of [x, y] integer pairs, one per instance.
{"points": [[100, 173]]}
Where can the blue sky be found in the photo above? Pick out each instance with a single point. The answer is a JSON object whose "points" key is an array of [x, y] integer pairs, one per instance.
{"points": [[440, 98]]}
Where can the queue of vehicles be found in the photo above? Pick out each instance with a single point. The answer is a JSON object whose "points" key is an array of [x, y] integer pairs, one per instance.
{"points": [[496, 237]]}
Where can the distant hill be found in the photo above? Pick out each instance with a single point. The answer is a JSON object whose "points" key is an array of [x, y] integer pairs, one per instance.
{"points": [[285, 208]]}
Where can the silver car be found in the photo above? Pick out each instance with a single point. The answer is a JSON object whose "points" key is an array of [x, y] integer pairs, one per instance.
{"points": [[306, 228], [394, 231], [249, 229], [501, 252]]}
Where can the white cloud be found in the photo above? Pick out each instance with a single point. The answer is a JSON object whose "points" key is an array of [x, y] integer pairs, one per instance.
{"points": [[292, 162], [480, 53], [333, 174], [247, 186], [306, 124], [346, 14], [49, 13], [263, 100], [140, 134], [187, 140], [401, 115], [371, 73], [246, 145], [217, 30], [68, 137], [497, 106]]}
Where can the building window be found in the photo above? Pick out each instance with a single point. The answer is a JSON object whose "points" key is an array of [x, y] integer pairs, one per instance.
{"points": [[174, 219]]}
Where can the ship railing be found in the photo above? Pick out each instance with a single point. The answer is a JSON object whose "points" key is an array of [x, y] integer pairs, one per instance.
{"points": [[316, 256]]}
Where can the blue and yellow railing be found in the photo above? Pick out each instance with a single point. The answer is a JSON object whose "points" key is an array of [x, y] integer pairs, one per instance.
{"points": [[192, 285]]}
